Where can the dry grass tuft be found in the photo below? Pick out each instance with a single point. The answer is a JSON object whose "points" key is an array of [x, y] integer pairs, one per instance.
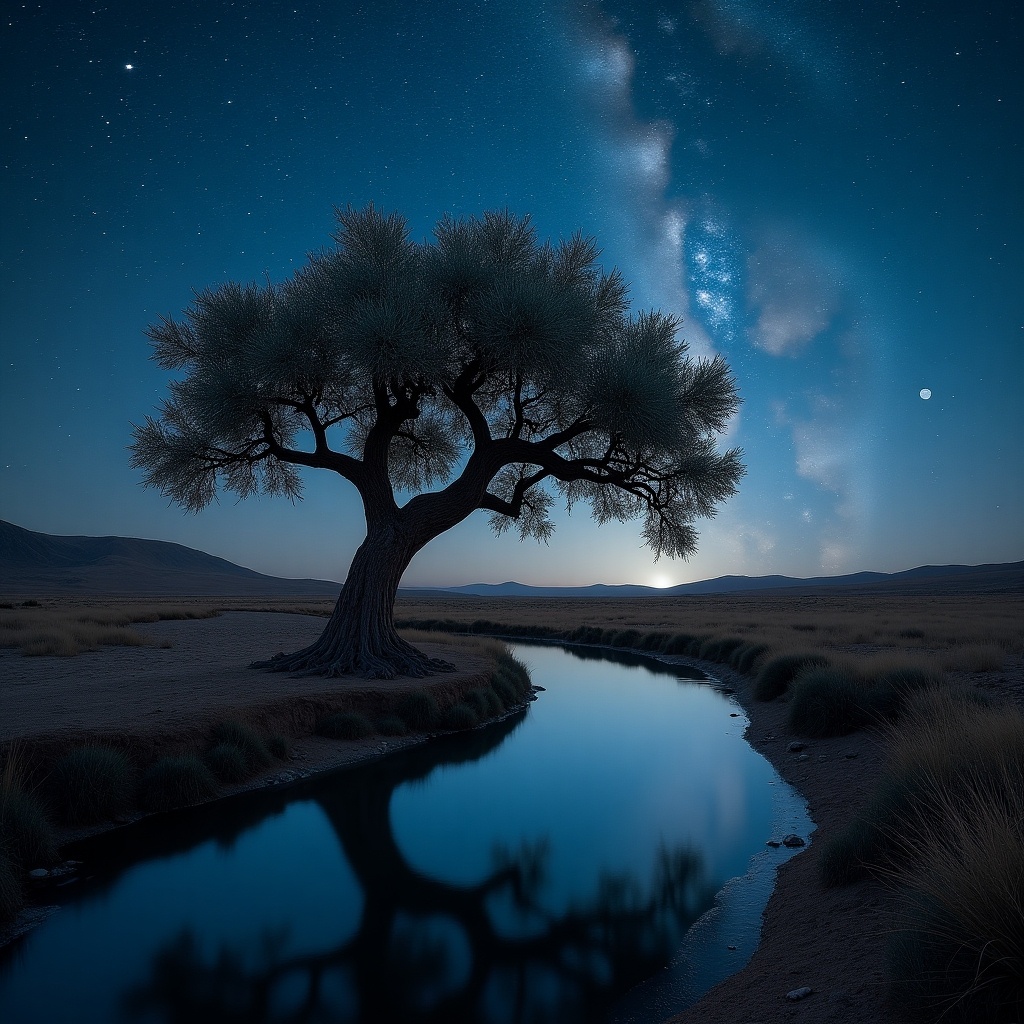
{"points": [[957, 947], [65, 629], [973, 658]]}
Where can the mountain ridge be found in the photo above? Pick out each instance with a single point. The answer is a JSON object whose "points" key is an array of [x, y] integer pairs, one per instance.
{"points": [[33, 563]]}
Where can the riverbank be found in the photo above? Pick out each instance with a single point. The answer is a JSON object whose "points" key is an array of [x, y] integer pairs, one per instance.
{"points": [[164, 698], [830, 941]]}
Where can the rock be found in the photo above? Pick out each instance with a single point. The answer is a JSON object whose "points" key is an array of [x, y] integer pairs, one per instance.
{"points": [[539, 689], [774, 843], [799, 993], [39, 874], [851, 756], [730, 947], [793, 841], [796, 746], [734, 714], [803, 757]]}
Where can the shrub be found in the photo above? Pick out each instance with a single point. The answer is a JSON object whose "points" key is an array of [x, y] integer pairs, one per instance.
{"points": [[248, 742], [462, 716], [391, 725], [418, 709], [826, 702], [11, 897], [777, 673], [345, 725], [228, 763], [90, 784], [176, 782], [278, 747]]}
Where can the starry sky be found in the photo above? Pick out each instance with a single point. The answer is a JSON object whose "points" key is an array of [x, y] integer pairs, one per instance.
{"points": [[828, 193]]}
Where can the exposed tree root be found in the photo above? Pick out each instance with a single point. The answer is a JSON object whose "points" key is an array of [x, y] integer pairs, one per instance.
{"points": [[324, 659]]}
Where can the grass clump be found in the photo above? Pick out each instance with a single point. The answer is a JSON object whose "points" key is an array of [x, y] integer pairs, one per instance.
{"points": [[719, 649], [26, 835], [653, 641], [247, 741], [511, 680], [228, 763], [826, 701], [278, 746], [462, 716], [345, 725], [947, 750], [845, 858], [626, 638], [586, 635], [176, 782], [391, 725], [957, 950], [777, 673], [485, 702], [743, 658], [888, 690], [11, 895], [418, 709], [90, 784]]}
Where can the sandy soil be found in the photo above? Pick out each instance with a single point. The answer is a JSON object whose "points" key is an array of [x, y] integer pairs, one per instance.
{"points": [[154, 700], [830, 941]]}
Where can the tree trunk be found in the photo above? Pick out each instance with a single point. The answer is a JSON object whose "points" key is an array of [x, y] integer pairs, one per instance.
{"points": [[360, 638]]}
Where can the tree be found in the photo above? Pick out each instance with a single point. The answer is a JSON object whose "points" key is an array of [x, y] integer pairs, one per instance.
{"points": [[481, 364]]}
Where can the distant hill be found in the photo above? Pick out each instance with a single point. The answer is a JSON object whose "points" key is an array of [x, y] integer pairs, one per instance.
{"points": [[998, 578], [34, 564]]}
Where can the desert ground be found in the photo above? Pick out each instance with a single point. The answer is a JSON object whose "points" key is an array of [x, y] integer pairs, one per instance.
{"points": [[179, 675]]}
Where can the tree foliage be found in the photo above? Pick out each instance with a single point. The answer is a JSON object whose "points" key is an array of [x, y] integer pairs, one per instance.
{"points": [[505, 373]]}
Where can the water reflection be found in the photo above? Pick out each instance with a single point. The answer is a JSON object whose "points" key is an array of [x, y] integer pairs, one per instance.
{"points": [[530, 871], [427, 950], [619, 656]]}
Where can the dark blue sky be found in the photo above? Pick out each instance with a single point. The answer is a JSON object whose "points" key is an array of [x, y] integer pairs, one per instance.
{"points": [[829, 194]]}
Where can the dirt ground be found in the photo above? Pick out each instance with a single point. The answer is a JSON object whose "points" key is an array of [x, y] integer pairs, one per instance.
{"points": [[830, 941]]}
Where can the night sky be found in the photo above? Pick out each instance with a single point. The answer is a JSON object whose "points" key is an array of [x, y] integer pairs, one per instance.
{"points": [[829, 194]]}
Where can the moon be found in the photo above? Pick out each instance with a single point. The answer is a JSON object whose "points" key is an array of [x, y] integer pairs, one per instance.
{"points": [[926, 393]]}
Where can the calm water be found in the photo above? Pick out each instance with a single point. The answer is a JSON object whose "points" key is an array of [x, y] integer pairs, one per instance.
{"points": [[547, 868]]}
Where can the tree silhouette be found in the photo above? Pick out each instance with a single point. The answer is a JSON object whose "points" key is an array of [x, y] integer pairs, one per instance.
{"points": [[564, 966], [496, 370]]}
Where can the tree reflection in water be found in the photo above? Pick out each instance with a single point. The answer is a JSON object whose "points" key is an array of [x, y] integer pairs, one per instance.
{"points": [[427, 950]]}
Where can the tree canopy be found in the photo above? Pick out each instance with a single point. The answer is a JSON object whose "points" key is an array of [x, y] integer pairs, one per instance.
{"points": [[480, 369]]}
